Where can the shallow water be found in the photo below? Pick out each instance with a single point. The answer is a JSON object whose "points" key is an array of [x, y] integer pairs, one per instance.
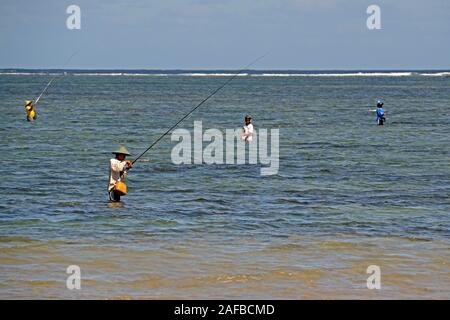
{"points": [[349, 193]]}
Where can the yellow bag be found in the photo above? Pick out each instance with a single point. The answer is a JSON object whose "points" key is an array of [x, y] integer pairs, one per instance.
{"points": [[121, 188]]}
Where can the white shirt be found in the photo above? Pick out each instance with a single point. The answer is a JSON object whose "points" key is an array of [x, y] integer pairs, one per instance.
{"points": [[248, 133], [116, 167]]}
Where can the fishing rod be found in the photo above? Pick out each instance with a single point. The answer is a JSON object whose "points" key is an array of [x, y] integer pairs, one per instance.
{"points": [[54, 77], [196, 107]]}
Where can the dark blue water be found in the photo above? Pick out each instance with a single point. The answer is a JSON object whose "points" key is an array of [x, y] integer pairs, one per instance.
{"points": [[341, 178]]}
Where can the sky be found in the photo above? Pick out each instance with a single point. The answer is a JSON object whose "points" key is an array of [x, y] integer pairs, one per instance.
{"points": [[226, 34]]}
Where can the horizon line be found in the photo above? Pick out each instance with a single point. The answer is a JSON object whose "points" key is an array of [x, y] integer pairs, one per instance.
{"points": [[224, 69]]}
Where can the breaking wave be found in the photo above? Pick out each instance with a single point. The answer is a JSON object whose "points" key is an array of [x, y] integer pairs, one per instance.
{"points": [[149, 73]]}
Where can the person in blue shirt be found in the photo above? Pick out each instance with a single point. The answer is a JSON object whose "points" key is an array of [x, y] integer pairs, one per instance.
{"points": [[381, 119]]}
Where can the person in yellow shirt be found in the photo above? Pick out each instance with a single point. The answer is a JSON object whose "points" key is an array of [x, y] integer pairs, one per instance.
{"points": [[29, 109]]}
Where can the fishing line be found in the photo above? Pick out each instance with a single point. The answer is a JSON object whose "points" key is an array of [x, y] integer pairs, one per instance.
{"points": [[196, 107], [54, 77]]}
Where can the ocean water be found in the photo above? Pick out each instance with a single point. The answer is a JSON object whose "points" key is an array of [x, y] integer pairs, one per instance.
{"points": [[348, 194]]}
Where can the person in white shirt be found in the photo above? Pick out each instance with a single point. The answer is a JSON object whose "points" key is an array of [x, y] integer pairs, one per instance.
{"points": [[247, 135], [117, 170]]}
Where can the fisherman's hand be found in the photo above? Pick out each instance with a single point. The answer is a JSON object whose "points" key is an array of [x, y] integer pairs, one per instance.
{"points": [[129, 164]]}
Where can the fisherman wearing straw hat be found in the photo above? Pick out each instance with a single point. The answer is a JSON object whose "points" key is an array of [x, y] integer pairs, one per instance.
{"points": [[117, 174], [29, 109], [247, 134]]}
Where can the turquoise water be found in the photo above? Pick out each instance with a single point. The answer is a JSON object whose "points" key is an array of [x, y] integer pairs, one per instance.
{"points": [[348, 193]]}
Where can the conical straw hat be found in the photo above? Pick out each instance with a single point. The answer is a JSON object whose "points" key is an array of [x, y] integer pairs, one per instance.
{"points": [[122, 150]]}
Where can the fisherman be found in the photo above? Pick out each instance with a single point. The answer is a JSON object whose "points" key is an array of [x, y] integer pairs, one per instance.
{"points": [[29, 109], [117, 174], [381, 119], [247, 134]]}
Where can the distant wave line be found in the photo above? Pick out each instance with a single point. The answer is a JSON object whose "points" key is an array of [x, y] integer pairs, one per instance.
{"points": [[207, 74]]}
